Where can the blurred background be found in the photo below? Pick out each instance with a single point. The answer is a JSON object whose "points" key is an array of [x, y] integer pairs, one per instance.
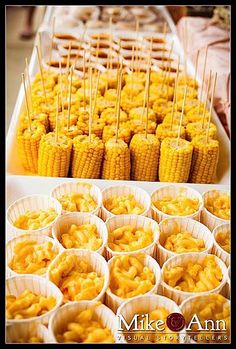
{"points": [[211, 22]]}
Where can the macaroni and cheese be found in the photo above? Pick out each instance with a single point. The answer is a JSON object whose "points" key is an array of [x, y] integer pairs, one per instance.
{"points": [[86, 328], [123, 204], [81, 236], [76, 202], [28, 305], [194, 277], [31, 257], [33, 220], [129, 277], [129, 238], [218, 205], [223, 239], [178, 206], [76, 279], [184, 242]]}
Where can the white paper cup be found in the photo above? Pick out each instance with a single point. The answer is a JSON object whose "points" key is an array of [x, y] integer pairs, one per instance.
{"points": [[40, 239], [171, 226], [217, 249], [31, 203], [207, 218], [113, 301], [64, 222], [26, 331], [174, 191], [145, 304], [16, 285], [69, 311], [79, 187], [183, 259], [135, 221], [187, 306], [140, 195], [94, 259]]}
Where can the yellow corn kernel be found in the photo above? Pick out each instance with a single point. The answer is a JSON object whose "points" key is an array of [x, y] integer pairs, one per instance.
{"points": [[140, 114], [138, 126], [124, 132], [109, 116], [54, 157], [116, 163], [72, 132], [176, 119], [205, 160], [28, 145], [87, 157], [161, 107], [97, 127], [144, 154], [175, 160]]}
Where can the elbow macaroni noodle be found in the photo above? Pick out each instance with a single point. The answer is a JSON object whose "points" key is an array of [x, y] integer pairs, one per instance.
{"points": [[123, 204], [178, 206], [78, 202], [36, 219], [223, 239], [219, 205], [129, 277], [184, 242]]}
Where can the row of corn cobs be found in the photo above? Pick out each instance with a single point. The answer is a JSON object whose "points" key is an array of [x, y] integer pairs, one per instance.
{"points": [[156, 157]]}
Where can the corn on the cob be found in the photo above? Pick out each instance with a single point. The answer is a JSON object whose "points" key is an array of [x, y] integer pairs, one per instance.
{"points": [[204, 161], [62, 119], [103, 103], [176, 119], [161, 107], [28, 145], [87, 157], [165, 131], [144, 154], [110, 78], [84, 113], [97, 127], [190, 93], [111, 95], [109, 116], [187, 80], [101, 85], [134, 89], [175, 160], [161, 91], [138, 126], [124, 132], [190, 103], [140, 114], [42, 118], [54, 157], [116, 164], [194, 116], [85, 95], [196, 129], [72, 132], [128, 102], [159, 78]]}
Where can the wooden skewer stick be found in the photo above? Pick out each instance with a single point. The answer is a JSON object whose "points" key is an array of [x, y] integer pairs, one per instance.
{"points": [[90, 104], [136, 40], [211, 106], [145, 88], [164, 45], [195, 71], [140, 56], [40, 45], [97, 49], [61, 90], [205, 104], [84, 96], [53, 33], [26, 100], [203, 78], [148, 93], [70, 89], [41, 73], [182, 114], [167, 65], [96, 92], [28, 80], [118, 105], [57, 112], [175, 96], [67, 68], [110, 48], [80, 45]]}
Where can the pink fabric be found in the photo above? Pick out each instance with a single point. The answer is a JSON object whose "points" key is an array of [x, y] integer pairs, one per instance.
{"points": [[200, 33]]}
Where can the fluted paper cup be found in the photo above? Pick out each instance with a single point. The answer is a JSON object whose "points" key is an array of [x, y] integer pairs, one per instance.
{"points": [[207, 218], [145, 304], [16, 285], [31, 203], [171, 226], [182, 260], [40, 239], [173, 191], [135, 221], [113, 301], [64, 222], [140, 195], [79, 187], [217, 249], [94, 259], [69, 311], [26, 331], [187, 307]]}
